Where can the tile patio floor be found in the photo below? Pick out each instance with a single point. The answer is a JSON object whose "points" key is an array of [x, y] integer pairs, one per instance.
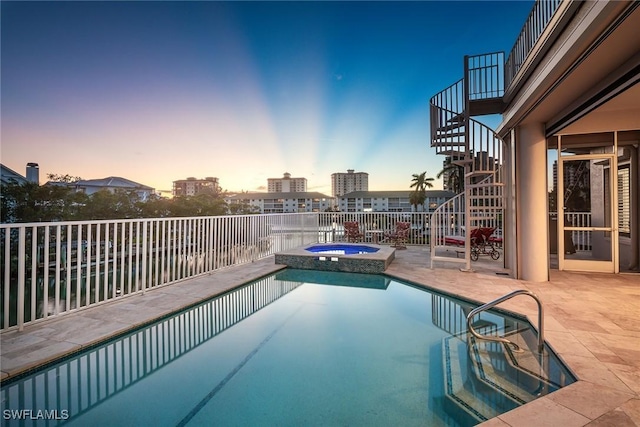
{"points": [[591, 320]]}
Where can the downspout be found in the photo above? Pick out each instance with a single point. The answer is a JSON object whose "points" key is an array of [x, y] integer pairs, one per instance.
{"points": [[511, 244], [634, 204]]}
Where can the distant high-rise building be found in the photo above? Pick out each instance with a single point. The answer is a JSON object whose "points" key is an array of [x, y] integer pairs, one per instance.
{"points": [[192, 186], [33, 173], [286, 184], [343, 183]]}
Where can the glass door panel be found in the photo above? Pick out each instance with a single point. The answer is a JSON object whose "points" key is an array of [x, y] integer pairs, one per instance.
{"points": [[588, 213]]}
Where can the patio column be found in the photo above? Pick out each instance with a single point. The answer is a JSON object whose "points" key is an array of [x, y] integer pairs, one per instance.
{"points": [[531, 190]]}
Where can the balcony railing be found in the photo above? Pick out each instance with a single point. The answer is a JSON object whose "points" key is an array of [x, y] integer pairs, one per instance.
{"points": [[536, 23], [581, 239], [50, 269]]}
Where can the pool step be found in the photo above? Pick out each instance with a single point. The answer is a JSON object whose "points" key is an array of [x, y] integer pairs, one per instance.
{"points": [[484, 379], [498, 367], [459, 390]]}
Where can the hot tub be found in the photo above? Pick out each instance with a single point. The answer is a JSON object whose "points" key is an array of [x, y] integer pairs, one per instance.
{"points": [[342, 249], [349, 257]]}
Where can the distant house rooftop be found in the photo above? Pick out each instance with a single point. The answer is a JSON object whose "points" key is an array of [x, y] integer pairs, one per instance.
{"points": [[8, 176], [112, 182]]}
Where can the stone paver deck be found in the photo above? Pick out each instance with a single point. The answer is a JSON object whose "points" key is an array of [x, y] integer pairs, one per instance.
{"points": [[591, 320]]}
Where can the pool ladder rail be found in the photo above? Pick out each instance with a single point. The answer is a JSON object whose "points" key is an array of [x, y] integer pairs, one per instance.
{"points": [[497, 301]]}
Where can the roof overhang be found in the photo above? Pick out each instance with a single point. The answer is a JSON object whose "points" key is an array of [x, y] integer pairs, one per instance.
{"points": [[588, 80]]}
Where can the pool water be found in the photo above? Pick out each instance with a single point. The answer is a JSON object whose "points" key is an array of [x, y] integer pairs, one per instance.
{"points": [[291, 349], [338, 249]]}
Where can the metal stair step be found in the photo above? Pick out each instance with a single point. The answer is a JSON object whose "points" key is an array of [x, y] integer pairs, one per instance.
{"points": [[449, 134], [447, 150], [462, 162], [477, 173], [486, 185], [445, 143], [458, 118], [452, 126], [446, 258]]}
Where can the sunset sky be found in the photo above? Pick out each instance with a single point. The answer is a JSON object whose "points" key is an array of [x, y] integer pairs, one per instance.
{"points": [[243, 91]]}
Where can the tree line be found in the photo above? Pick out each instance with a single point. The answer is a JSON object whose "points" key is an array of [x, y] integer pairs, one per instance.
{"points": [[30, 202]]}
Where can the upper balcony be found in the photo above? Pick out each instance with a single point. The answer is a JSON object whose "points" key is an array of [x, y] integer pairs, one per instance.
{"points": [[573, 59]]}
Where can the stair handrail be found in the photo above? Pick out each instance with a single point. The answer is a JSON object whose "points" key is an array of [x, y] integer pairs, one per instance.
{"points": [[497, 301]]}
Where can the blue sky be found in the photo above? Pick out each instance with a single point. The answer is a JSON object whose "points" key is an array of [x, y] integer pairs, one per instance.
{"points": [[243, 91]]}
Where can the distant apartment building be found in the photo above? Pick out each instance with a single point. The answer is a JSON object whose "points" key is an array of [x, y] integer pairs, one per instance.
{"points": [[343, 183], [192, 186], [283, 202], [390, 201], [286, 184]]}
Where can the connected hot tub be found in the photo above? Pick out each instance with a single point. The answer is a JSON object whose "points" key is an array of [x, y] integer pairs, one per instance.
{"points": [[349, 257], [341, 249]]}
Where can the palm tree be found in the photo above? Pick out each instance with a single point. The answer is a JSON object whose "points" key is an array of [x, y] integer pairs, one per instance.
{"points": [[455, 175], [421, 183], [416, 199]]}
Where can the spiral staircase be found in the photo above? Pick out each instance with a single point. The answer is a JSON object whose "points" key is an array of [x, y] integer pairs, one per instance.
{"points": [[473, 146]]}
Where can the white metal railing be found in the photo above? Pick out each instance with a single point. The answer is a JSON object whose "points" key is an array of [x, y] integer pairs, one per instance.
{"points": [[50, 269], [534, 26], [450, 219], [331, 229]]}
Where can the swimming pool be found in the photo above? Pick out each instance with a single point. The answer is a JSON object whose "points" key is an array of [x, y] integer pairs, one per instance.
{"points": [[294, 348]]}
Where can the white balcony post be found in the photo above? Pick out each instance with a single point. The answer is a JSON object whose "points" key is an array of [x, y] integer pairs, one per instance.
{"points": [[145, 244], [21, 282]]}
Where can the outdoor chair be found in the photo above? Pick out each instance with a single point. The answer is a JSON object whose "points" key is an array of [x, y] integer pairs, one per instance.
{"points": [[481, 244], [400, 235], [352, 231], [481, 240]]}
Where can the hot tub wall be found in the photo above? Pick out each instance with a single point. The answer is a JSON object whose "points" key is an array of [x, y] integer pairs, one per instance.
{"points": [[348, 263]]}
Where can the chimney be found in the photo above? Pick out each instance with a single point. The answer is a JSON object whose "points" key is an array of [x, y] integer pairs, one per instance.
{"points": [[33, 173]]}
